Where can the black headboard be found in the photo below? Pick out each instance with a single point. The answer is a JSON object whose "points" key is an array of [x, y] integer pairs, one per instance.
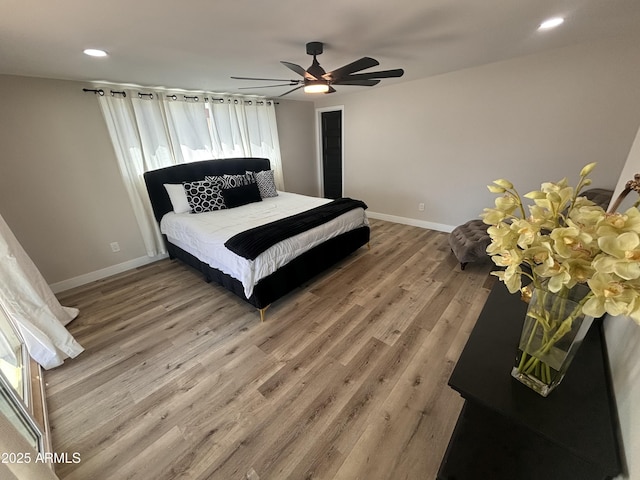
{"points": [[193, 171]]}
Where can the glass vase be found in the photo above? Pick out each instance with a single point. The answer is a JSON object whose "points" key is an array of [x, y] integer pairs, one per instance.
{"points": [[551, 335]]}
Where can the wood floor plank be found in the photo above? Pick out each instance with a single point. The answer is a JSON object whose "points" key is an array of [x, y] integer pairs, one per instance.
{"points": [[118, 441], [346, 378], [295, 441], [419, 392]]}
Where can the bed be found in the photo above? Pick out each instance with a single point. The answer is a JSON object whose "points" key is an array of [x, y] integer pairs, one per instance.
{"points": [[259, 274]]}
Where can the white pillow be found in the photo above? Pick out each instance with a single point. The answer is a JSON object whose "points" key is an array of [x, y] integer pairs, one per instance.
{"points": [[178, 197]]}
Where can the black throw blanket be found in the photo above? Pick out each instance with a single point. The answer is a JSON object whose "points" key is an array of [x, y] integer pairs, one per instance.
{"points": [[251, 243]]}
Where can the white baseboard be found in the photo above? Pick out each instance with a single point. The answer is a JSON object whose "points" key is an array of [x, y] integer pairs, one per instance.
{"points": [[103, 273], [440, 227]]}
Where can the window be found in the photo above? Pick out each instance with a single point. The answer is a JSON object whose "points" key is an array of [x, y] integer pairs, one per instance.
{"points": [[151, 131], [15, 382]]}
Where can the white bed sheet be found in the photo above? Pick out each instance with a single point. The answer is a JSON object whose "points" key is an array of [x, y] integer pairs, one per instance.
{"points": [[203, 235]]}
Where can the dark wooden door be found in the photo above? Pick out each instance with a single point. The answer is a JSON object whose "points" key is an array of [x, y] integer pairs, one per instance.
{"points": [[332, 153]]}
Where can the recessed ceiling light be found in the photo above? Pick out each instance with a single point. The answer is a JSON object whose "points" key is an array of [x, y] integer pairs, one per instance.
{"points": [[95, 53], [551, 23]]}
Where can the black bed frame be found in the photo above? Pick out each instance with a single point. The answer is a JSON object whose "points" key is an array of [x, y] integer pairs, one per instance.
{"points": [[282, 281]]}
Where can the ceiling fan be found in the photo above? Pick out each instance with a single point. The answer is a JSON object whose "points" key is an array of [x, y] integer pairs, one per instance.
{"points": [[316, 80]]}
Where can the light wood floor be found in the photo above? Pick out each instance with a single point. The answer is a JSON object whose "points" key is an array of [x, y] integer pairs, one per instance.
{"points": [[346, 379]]}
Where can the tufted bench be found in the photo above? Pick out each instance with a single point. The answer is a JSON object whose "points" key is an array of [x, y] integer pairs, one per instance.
{"points": [[469, 242]]}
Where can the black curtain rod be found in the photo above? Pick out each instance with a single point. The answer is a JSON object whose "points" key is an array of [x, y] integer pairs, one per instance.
{"points": [[100, 92]]}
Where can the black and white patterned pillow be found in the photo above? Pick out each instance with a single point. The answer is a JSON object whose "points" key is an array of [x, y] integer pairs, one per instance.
{"points": [[233, 181], [266, 184], [204, 196], [251, 176], [215, 179]]}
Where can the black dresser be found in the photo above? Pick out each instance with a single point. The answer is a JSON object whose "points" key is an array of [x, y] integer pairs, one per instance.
{"points": [[507, 431]]}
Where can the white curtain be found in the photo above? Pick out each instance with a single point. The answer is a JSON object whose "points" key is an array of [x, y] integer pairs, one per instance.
{"points": [[144, 138], [156, 130], [246, 128], [32, 306]]}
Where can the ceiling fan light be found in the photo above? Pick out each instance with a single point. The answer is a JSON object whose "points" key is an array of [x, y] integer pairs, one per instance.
{"points": [[316, 88]]}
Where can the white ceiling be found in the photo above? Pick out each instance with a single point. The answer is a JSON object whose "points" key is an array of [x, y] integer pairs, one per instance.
{"points": [[199, 45]]}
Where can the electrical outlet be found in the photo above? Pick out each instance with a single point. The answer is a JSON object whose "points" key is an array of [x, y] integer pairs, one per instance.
{"points": [[421, 207], [115, 247]]}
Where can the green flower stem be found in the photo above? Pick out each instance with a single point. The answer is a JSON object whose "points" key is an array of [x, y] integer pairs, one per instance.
{"points": [[521, 366], [565, 326], [531, 363], [582, 183], [516, 196], [520, 205]]}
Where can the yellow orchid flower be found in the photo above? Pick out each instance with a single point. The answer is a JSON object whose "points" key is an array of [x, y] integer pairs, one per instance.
{"points": [[610, 295], [502, 238], [617, 223], [511, 277], [557, 274], [507, 204], [541, 254], [579, 270], [571, 242], [527, 232], [622, 255], [492, 216]]}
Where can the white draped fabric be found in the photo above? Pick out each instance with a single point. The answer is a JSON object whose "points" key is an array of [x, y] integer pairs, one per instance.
{"points": [[159, 130], [246, 129], [32, 306], [128, 143]]}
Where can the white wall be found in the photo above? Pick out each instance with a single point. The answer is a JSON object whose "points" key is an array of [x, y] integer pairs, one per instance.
{"points": [[297, 145], [60, 190], [623, 338], [441, 140]]}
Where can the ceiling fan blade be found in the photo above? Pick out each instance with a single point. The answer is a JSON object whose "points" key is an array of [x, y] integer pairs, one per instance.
{"points": [[267, 79], [361, 83], [361, 64], [398, 72], [268, 86], [299, 70], [292, 90]]}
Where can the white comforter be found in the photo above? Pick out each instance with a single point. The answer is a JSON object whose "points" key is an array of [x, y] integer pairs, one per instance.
{"points": [[203, 235]]}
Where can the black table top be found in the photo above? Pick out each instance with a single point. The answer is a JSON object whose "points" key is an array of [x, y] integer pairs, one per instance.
{"points": [[579, 415]]}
